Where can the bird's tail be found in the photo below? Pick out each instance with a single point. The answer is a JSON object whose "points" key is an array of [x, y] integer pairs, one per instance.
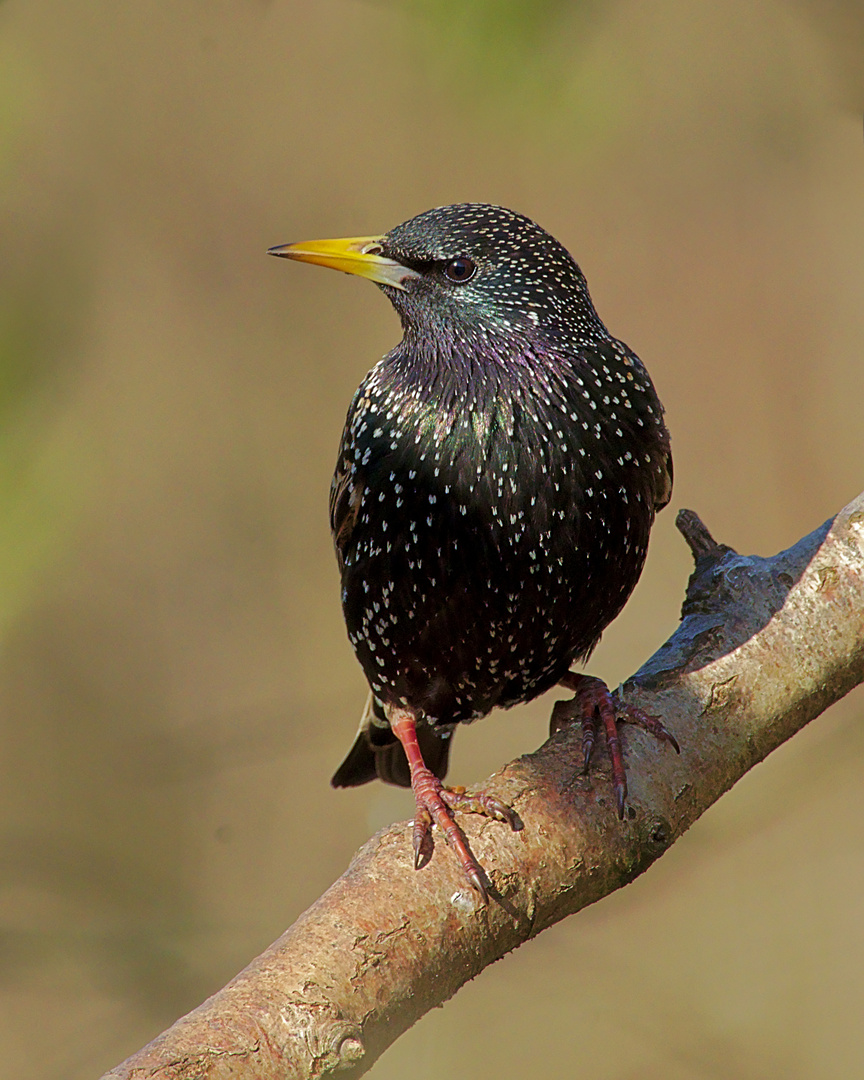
{"points": [[377, 753]]}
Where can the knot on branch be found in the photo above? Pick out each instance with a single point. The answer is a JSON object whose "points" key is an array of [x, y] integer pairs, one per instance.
{"points": [[333, 1046]]}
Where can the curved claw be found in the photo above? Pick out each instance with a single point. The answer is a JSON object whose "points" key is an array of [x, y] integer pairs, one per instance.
{"points": [[670, 738], [620, 797], [421, 837], [632, 714], [589, 734], [475, 877]]}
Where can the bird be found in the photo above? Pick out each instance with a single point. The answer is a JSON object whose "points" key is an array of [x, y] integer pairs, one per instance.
{"points": [[495, 487]]}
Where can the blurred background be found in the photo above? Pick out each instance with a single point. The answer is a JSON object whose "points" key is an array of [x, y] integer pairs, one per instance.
{"points": [[176, 687]]}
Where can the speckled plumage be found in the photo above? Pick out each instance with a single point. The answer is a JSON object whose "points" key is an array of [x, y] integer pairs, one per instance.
{"points": [[498, 476]]}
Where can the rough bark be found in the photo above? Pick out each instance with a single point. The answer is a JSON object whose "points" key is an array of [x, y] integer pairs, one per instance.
{"points": [[764, 646]]}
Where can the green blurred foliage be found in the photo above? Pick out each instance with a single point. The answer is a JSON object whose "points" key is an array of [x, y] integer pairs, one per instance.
{"points": [[40, 316], [524, 71], [40, 484], [501, 48]]}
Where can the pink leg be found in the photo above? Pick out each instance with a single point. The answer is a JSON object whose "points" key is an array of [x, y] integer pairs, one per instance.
{"points": [[435, 802], [594, 703]]}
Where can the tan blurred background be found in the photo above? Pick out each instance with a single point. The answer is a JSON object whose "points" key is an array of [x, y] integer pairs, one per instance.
{"points": [[175, 684]]}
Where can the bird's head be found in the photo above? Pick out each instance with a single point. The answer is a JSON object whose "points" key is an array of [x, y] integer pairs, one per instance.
{"points": [[466, 270]]}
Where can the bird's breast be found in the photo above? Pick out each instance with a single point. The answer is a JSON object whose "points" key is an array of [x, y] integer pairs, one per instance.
{"points": [[488, 536]]}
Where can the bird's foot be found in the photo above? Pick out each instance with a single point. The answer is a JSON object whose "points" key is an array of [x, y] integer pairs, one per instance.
{"points": [[594, 703], [435, 804]]}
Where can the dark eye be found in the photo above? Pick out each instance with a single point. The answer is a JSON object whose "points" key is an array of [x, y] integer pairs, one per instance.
{"points": [[460, 270]]}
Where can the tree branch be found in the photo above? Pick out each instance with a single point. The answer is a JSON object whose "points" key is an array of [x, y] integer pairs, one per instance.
{"points": [[764, 646]]}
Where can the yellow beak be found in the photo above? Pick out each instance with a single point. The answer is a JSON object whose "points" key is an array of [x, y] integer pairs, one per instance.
{"points": [[352, 255]]}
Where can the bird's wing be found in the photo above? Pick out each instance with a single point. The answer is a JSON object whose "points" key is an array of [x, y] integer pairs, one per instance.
{"points": [[664, 490], [346, 498]]}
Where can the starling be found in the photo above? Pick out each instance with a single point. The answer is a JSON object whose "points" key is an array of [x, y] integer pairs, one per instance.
{"points": [[496, 484]]}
